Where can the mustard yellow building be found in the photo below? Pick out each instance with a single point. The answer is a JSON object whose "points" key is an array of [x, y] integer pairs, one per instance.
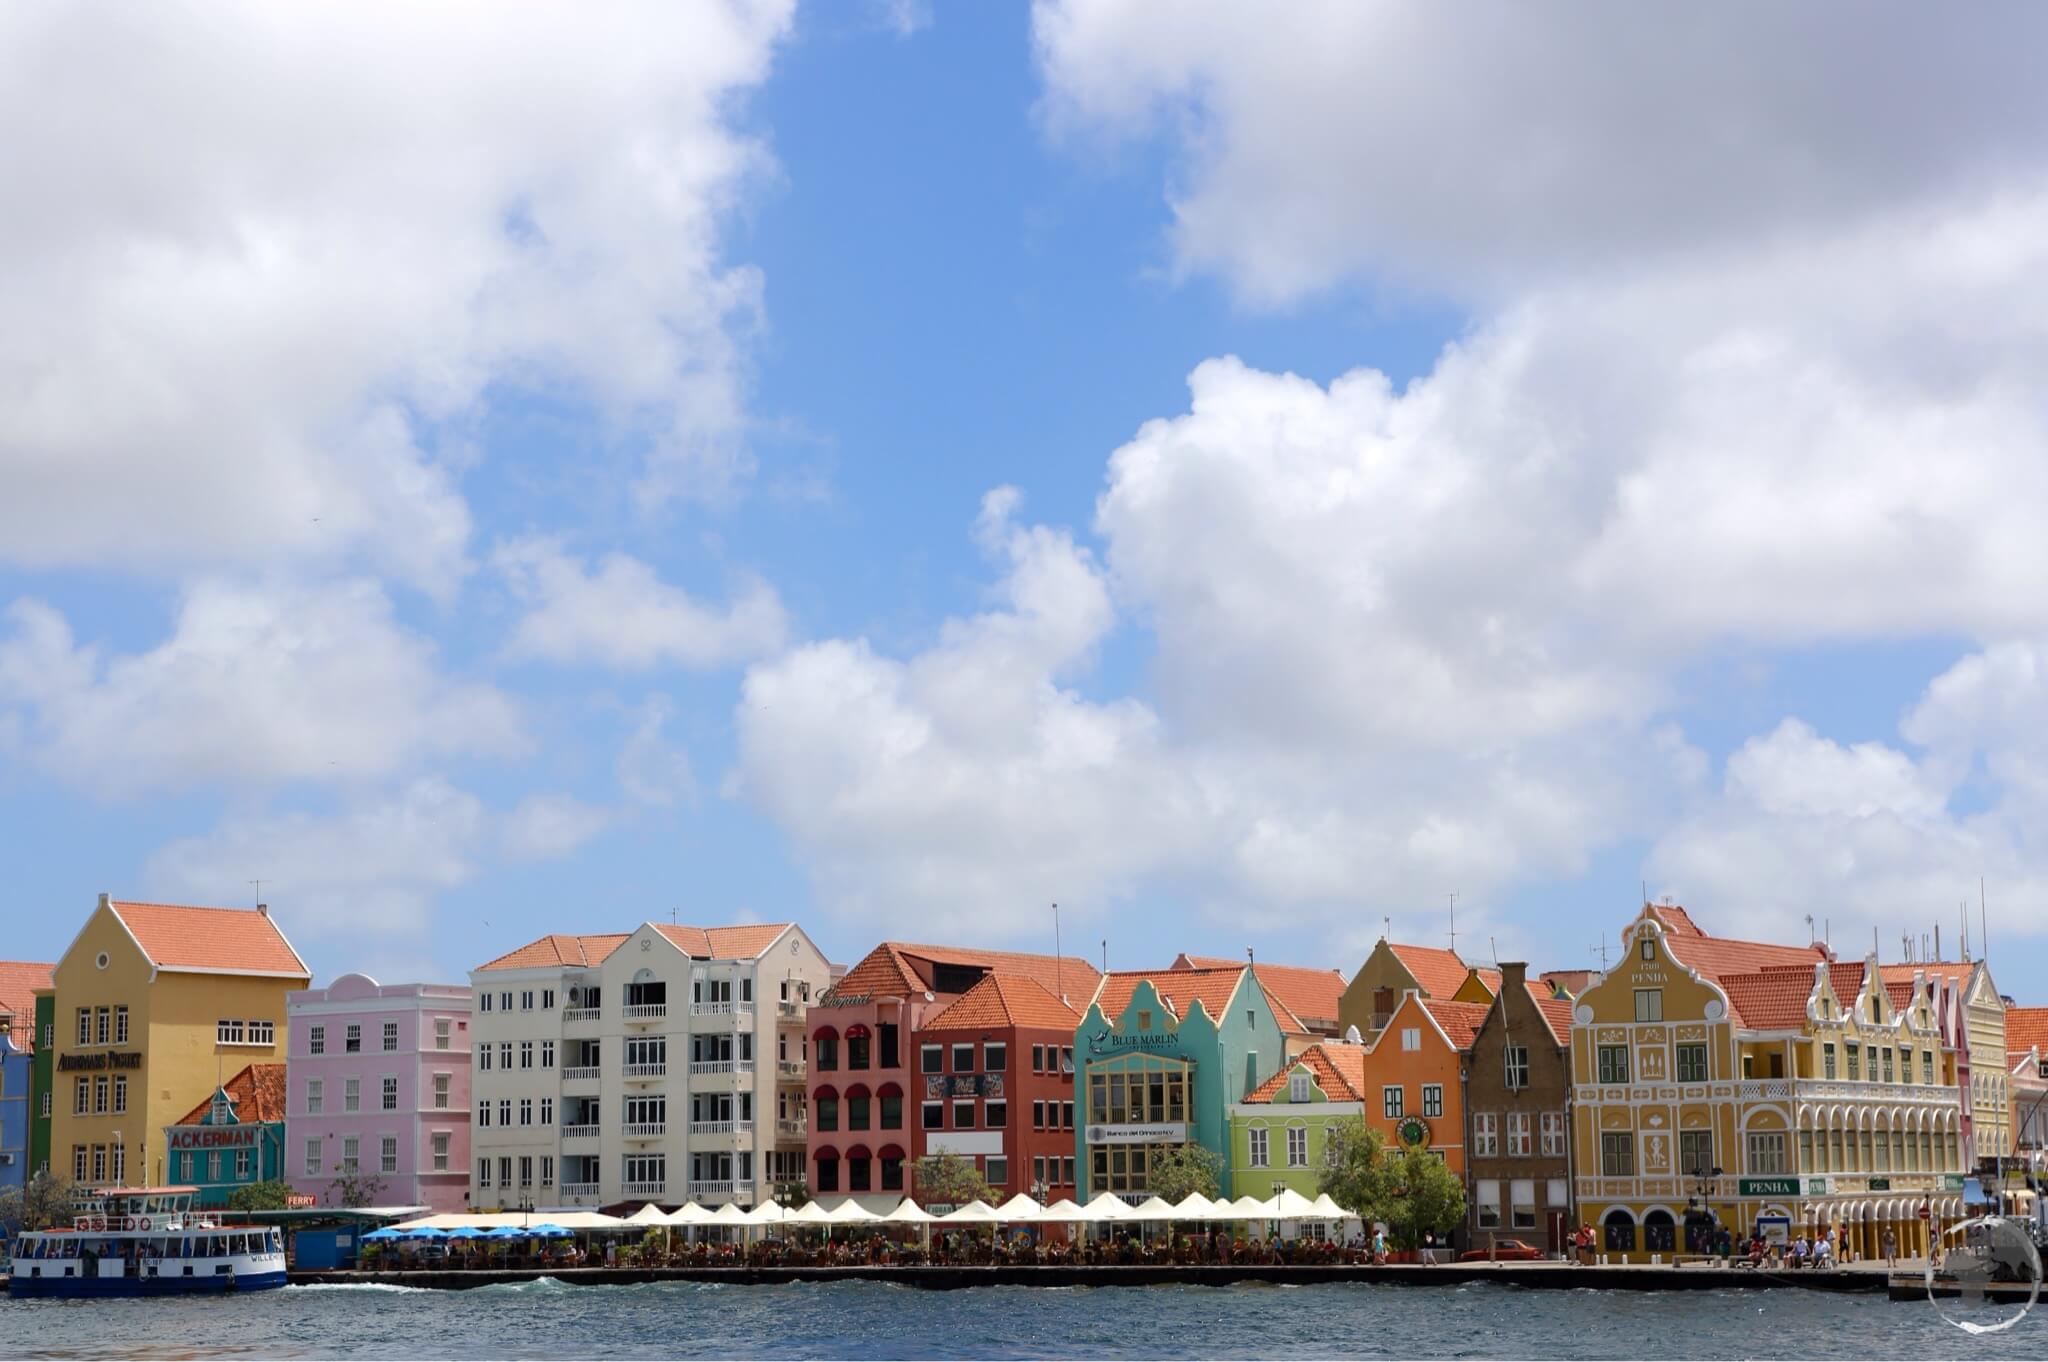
{"points": [[1394, 969], [1768, 1089], [1974, 1021], [156, 1006]]}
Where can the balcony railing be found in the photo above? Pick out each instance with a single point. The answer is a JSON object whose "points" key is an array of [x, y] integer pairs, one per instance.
{"points": [[745, 1066], [643, 1188], [577, 1014], [644, 1011], [578, 1071], [580, 1132], [646, 1070], [710, 1009], [645, 1130], [702, 1189], [711, 1066], [790, 1070], [789, 1011], [711, 1127], [1850, 1090], [579, 1189]]}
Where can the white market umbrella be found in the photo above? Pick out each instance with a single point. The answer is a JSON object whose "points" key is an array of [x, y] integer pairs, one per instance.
{"points": [[1019, 1208], [689, 1213], [909, 1213], [650, 1214], [1244, 1208], [1106, 1206], [1327, 1209], [973, 1213], [1154, 1209], [770, 1212], [728, 1214], [1288, 1204], [1062, 1212], [851, 1212], [810, 1213], [1194, 1206]]}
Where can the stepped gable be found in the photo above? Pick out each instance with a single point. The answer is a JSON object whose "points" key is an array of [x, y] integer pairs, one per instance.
{"points": [[1177, 988], [190, 939], [1006, 1000], [1339, 1071], [1311, 994], [257, 1092]]}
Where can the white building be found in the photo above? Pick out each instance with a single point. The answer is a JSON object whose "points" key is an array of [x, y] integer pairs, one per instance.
{"points": [[665, 1064]]}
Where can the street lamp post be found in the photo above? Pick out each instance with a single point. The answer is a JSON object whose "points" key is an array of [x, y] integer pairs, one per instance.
{"points": [[1699, 1207]]}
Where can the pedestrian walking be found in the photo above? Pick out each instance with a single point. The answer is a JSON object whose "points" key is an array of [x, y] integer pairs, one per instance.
{"points": [[1891, 1247]]}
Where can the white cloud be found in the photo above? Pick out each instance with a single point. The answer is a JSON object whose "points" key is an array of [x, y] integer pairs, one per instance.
{"points": [[256, 684], [1328, 140], [620, 614], [248, 282], [651, 769], [546, 827], [374, 869]]}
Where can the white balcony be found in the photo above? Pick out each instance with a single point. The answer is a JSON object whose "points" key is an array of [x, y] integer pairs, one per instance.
{"points": [[642, 1012], [579, 1014], [578, 1072], [645, 1130], [790, 1070], [711, 1066], [789, 1011], [582, 1132], [745, 1066], [711, 1009], [646, 1070], [643, 1189], [579, 1189], [699, 1190], [711, 1127]]}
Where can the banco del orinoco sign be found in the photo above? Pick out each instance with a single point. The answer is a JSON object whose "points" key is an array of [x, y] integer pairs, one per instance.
{"points": [[101, 1059], [1768, 1186]]}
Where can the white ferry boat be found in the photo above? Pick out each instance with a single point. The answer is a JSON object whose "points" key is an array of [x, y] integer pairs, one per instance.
{"points": [[145, 1241]]}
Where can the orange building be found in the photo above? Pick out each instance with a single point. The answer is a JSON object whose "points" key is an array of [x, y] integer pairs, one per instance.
{"points": [[1412, 1070]]}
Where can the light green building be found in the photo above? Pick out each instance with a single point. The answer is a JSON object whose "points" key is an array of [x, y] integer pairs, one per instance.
{"points": [[1279, 1132]]}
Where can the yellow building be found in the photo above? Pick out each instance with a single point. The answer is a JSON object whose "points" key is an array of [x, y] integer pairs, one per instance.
{"points": [[1764, 1088], [156, 1006], [1974, 1021], [1393, 969]]}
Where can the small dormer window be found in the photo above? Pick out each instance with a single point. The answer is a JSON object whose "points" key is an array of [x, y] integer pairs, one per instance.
{"points": [[1876, 1009], [1297, 1088], [1144, 1019], [1648, 950]]}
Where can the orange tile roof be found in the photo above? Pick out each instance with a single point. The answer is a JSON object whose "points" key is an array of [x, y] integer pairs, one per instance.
{"points": [[1556, 1012], [1177, 988], [1489, 976], [1311, 994], [1339, 1071], [241, 940], [1460, 1021], [743, 942], [1005, 1000], [1719, 957], [889, 969], [2026, 1028], [1676, 920], [1771, 999], [19, 979], [257, 1092], [559, 949], [1438, 972]]}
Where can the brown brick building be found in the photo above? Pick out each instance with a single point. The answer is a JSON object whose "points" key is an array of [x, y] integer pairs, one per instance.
{"points": [[1517, 1125]]}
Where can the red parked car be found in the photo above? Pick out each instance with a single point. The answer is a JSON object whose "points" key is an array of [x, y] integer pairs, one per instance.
{"points": [[1507, 1250]]}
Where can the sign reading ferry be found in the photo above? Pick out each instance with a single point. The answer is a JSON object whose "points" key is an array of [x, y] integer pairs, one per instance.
{"points": [[1167, 1133]]}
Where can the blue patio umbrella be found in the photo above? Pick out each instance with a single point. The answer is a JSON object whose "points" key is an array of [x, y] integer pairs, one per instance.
{"points": [[426, 1232], [381, 1235], [466, 1232], [505, 1232], [551, 1232]]}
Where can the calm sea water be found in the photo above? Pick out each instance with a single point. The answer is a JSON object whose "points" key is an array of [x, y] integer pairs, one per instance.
{"points": [[846, 1320]]}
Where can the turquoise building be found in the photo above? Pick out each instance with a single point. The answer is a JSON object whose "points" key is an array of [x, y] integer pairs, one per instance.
{"points": [[1160, 1057], [233, 1139]]}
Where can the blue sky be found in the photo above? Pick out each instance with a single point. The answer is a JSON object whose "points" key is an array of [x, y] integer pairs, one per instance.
{"points": [[894, 469]]}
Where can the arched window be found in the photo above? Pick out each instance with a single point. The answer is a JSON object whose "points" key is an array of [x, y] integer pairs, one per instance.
{"points": [[859, 1169], [826, 1169], [825, 1047], [1660, 1232], [857, 1104], [859, 1048], [825, 1109], [1619, 1229], [890, 1097]]}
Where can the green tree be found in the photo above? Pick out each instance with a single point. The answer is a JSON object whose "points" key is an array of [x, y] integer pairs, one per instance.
{"points": [[260, 1196], [355, 1187], [1357, 1171], [1427, 1197], [1183, 1169], [792, 1194], [948, 1180], [44, 1201]]}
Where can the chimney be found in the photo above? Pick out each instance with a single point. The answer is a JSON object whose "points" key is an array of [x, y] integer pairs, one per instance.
{"points": [[1513, 974], [106, 900], [263, 908]]}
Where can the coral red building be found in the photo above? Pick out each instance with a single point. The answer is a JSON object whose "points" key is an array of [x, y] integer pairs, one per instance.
{"points": [[995, 1084]]}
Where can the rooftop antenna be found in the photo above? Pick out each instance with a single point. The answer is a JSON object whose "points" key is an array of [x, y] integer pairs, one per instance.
{"points": [[1454, 922], [1809, 929], [1105, 955], [1963, 912], [1983, 923], [1873, 940], [1386, 928], [1602, 948], [1937, 940], [259, 889], [1059, 973]]}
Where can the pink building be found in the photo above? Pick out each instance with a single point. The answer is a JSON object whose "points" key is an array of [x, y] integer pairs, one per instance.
{"points": [[377, 1093]]}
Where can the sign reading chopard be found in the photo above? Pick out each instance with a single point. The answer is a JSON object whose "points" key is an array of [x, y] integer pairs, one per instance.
{"points": [[1166, 1133]]}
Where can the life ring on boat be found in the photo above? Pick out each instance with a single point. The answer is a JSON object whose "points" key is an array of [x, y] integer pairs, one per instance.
{"points": [[141, 1222]]}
